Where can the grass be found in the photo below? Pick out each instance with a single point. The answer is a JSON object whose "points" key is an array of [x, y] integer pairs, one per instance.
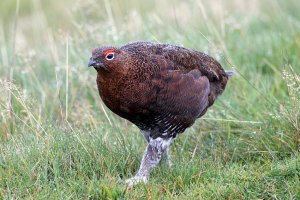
{"points": [[59, 141]]}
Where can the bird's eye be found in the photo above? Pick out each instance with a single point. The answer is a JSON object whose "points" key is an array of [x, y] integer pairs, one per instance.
{"points": [[110, 56]]}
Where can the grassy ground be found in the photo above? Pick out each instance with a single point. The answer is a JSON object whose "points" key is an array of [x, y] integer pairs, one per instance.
{"points": [[58, 140]]}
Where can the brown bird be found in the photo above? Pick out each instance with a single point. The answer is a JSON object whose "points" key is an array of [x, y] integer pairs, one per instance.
{"points": [[161, 88]]}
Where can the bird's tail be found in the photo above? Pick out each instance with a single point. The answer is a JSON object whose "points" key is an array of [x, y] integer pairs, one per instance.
{"points": [[230, 73]]}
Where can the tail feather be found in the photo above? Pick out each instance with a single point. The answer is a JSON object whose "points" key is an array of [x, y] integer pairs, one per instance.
{"points": [[230, 73]]}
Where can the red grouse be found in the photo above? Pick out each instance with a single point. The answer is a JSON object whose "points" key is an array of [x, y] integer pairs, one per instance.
{"points": [[161, 88]]}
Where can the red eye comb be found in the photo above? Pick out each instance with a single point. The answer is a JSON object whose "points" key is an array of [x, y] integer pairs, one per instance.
{"points": [[108, 51]]}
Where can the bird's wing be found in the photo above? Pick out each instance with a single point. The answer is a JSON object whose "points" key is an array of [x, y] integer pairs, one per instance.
{"points": [[187, 59], [182, 98]]}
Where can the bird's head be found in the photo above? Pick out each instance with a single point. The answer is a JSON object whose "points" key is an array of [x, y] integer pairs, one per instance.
{"points": [[105, 58]]}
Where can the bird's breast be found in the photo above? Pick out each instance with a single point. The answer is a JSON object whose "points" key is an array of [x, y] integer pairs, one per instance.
{"points": [[125, 96]]}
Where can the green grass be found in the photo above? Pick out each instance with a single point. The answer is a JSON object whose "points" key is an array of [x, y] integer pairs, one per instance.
{"points": [[59, 141]]}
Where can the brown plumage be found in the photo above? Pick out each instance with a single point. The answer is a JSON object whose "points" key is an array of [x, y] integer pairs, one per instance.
{"points": [[160, 88]]}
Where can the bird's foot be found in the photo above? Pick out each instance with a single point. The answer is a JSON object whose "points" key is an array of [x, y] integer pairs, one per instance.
{"points": [[135, 180]]}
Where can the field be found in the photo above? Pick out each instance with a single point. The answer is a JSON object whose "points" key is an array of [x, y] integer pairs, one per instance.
{"points": [[59, 141]]}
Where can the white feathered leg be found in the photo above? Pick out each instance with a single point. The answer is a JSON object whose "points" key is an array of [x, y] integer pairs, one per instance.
{"points": [[151, 158], [168, 159]]}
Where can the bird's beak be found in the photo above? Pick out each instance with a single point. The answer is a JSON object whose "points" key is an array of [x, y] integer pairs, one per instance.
{"points": [[96, 65], [92, 62]]}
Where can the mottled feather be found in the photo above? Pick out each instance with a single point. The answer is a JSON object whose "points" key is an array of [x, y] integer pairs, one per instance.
{"points": [[161, 88]]}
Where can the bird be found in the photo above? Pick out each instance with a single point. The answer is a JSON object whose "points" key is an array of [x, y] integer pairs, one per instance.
{"points": [[161, 88]]}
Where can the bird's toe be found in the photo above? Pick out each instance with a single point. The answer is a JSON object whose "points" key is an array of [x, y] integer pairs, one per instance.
{"points": [[135, 180]]}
